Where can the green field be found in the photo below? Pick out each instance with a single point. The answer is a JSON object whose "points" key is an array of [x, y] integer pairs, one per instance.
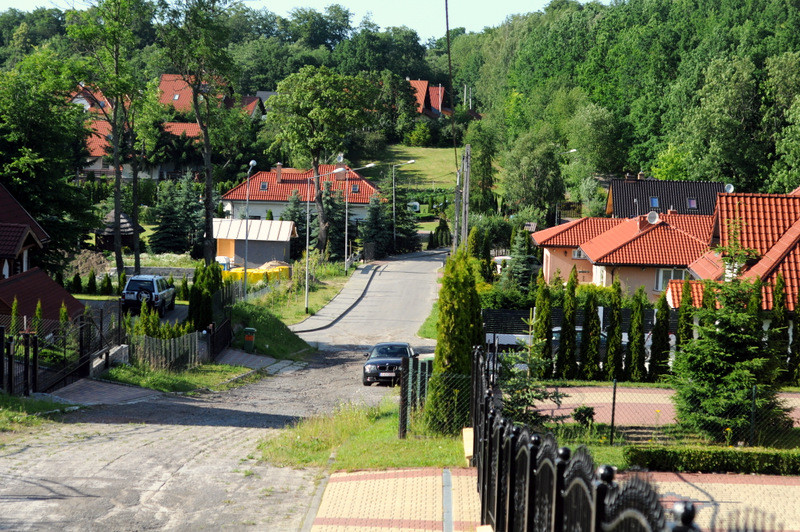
{"points": [[435, 168]]}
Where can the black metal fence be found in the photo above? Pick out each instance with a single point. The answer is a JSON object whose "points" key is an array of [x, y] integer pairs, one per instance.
{"points": [[527, 483]]}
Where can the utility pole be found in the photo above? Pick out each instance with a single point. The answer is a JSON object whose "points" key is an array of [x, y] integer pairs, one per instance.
{"points": [[465, 164]]}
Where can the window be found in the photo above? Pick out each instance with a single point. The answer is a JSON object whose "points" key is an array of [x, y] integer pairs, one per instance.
{"points": [[578, 254], [691, 203], [666, 274], [654, 202], [354, 190], [264, 185], [175, 97]]}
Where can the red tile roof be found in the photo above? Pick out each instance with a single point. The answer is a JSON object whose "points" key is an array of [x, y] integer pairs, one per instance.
{"points": [[93, 97], [675, 293], [97, 142], [175, 92], [420, 87], [436, 95], [573, 234], [11, 212], [32, 286], [709, 266], [190, 129], [674, 240], [13, 237], [293, 179]]}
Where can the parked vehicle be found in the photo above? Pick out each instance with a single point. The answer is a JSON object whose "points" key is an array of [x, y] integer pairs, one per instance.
{"points": [[384, 362], [151, 289]]}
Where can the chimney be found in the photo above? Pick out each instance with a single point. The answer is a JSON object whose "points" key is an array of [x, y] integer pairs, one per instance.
{"points": [[628, 175], [672, 211], [278, 167], [642, 223], [341, 176], [640, 175]]}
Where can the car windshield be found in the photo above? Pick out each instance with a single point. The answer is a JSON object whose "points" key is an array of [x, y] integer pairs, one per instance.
{"points": [[389, 351], [139, 284]]}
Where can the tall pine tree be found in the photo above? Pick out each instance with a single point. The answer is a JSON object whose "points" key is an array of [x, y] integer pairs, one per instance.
{"points": [[685, 331], [659, 348], [779, 327], [542, 333], [590, 338], [566, 363], [635, 368], [613, 365]]}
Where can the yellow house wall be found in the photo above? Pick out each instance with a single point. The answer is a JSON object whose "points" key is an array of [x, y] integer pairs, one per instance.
{"points": [[561, 259], [632, 277]]}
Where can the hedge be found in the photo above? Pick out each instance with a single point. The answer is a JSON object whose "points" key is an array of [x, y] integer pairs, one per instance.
{"points": [[715, 459]]}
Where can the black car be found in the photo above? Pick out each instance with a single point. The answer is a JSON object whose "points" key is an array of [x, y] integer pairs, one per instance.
{"points": [[384, 362]]}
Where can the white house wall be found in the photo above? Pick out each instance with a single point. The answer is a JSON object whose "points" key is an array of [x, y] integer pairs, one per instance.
{"points": [[235, 209]]}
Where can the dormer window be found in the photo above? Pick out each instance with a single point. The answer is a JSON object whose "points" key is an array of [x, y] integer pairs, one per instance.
{"points": [[354, 190], [264, 185], [578, 254], [691, 203], [654, 202], [175, 98]]}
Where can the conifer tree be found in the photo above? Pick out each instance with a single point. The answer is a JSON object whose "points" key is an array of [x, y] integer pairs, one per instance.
{"points": [[613, 365], [566, 363], [106, 287], [636, 353], [542, 333], [91, 283], [685, 331], [779, 327], [659, 348], [521, 270], [36, 324], [459, 330], [590, 338], [76, 286]]}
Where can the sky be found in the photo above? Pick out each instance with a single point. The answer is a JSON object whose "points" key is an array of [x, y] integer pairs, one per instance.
{"points": [[425, 16]]}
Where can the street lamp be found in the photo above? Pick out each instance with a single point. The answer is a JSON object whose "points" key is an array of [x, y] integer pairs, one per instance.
{"points": [[247, 221], [308, 223], [346, 217], [394, 219]]}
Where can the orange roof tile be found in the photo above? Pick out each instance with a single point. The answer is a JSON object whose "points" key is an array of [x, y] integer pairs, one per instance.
{"points": [[708, 266], [190, 129], [97, 141], [175, 92], [293, 179], [675, 293], [420, 87], [436, 95], [674, 240], [573, 234]]}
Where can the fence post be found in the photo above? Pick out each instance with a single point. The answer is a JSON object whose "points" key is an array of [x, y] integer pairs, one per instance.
{"points": [[26, 357], [403, 417], [558, 501], [35, 339], [753, 418], [2, 359], [602, 485], [613, 411], [511, 478], [413, 385], [9, 348]]}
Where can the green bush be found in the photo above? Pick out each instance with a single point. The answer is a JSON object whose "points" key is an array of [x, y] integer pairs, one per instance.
{"points": [[272, 337], [705, 459], [76, 286], [91, 283]]}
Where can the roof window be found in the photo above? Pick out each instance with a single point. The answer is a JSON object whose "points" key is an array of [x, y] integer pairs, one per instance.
{"points": [[354, 190], [691, 203], [175, 97], [264, 185], [654, 202]]}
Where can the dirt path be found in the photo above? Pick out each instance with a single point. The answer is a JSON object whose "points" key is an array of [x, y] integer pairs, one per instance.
{"points": [[178, 463]]}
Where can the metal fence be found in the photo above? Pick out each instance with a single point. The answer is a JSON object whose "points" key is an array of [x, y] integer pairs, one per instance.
{"points": [[527, 482]]}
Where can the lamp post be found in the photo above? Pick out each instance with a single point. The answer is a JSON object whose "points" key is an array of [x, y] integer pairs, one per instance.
{"points": [[247, 221], [346, 217], [308, 223], [394, 218]]}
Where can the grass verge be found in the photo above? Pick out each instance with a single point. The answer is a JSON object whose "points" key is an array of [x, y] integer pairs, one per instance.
{"points": [[207, 376], [19, 412], [428, 329], [272, 338], [363, 438]]}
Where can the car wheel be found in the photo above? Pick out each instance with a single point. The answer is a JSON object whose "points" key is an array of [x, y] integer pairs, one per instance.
{"points": [[161, 311], [366, 383], [171, 304]]}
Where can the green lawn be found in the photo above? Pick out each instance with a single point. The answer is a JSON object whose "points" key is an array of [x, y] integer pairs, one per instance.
{"points": [[434, 168], [207, 376], [19, 412]]}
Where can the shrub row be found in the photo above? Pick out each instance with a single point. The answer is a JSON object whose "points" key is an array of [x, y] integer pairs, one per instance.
{"points": [[704, 459]]}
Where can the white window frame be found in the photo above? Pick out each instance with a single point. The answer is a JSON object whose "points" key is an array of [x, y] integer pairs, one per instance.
{"points": [[578, 254], [681, 274], [264, 186]]}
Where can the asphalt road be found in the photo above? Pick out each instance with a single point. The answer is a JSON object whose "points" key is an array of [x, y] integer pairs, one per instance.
{"points": [[190, 463]]}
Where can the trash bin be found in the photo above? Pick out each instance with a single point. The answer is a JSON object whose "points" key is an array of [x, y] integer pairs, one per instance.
{"points": [[249, 339]]}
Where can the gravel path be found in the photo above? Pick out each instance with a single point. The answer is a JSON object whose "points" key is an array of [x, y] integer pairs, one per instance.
{"points": [[176, 462]]}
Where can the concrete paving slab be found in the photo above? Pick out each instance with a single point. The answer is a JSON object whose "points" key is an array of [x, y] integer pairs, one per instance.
{"points": [[91, 392]]}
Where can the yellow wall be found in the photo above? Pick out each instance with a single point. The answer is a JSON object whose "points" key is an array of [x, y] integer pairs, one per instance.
{"points": [[632, 277], [225, 248]]}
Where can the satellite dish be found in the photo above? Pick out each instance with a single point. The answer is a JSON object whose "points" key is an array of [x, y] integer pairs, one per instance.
{"points": [[729, 188], [652, 217]]}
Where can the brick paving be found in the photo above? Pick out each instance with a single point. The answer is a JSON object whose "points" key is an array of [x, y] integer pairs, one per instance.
{"points": [[237, 357]]}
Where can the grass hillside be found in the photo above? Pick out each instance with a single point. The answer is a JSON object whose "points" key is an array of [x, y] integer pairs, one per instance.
{"points": [[434, 168]]}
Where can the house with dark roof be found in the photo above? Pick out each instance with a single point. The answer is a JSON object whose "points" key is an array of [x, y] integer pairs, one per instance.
{"points": [[270, 191], [644, 251], [628, 198], [768, 224], [104, 237], [21, 237]]}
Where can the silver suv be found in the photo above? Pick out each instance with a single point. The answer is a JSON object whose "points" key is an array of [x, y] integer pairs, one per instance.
{"points": [[151, 289]]}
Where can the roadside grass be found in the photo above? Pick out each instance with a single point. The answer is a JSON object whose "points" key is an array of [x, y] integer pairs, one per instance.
{"points": [[206, 376], [434, 168], [361, 438], [163, 260], [272, 337], [608, 455], [428, 329], [18, 412]]}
